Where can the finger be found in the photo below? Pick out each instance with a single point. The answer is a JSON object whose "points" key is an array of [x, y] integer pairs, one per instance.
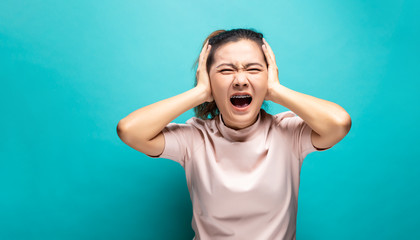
{"points": [[267, 55], [270, 51], [200, 58], [207, 53], [203, 50], [204, 60], [204, 56]]}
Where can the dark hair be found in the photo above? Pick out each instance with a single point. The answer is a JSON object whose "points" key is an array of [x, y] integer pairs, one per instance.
{"points": [[217, 39]]}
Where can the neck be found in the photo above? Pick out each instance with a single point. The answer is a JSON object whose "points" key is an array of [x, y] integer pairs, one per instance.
{"points": [[236, 127]]}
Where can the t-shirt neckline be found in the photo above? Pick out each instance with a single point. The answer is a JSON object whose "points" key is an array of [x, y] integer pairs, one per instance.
{"points": [[239, 135]]}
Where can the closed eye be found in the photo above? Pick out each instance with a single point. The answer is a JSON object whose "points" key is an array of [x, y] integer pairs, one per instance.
{"points": [[230, 70]]}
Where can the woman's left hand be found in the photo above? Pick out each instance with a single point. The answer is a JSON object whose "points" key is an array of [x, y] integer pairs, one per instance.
{"points": [[273, 71]]}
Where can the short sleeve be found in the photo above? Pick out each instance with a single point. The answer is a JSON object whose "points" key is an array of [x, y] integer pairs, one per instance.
{"points": [[299, 132], [180, 140]]}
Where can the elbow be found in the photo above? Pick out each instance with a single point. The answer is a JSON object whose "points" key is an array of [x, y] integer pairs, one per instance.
{"points": [[345, 123], [121, 129]]}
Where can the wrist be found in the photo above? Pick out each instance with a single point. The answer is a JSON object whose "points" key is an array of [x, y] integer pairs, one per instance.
{"points": [[276, 93], [202, 93]]}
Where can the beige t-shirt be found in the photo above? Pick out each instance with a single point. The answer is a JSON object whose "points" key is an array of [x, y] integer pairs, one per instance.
{"points": [[243, 183]]}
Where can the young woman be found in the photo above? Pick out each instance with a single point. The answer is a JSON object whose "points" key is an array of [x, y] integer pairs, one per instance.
{"points": [[242, 164]]}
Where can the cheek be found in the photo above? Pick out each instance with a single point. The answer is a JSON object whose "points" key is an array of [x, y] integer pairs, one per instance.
{"points": [[216, 87], [219, 89], [261, 78], [219, 81], [264, 77]]}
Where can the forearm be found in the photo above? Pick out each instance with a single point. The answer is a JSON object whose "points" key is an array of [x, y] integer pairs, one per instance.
{"points": [[148, 122], [321, 115]]}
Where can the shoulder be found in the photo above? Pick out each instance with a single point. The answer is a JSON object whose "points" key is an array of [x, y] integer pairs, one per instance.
{"points": [[284, 115], [197, 122], [284, 118], [288, 121], [191, 127], [201, 125]]}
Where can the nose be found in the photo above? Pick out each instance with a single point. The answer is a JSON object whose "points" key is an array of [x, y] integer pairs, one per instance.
{"points": [[240, 80]]}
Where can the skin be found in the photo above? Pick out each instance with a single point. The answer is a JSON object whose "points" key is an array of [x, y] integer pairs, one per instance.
{"points": [[226, 80], [329, 122], [142, 129]]}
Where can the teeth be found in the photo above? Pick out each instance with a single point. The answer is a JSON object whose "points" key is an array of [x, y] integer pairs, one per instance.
{"points": [[240, 96]]}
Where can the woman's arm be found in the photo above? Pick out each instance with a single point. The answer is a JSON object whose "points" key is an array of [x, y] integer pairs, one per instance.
{"points": [[142, 128], [329, 121], [145, 123]]}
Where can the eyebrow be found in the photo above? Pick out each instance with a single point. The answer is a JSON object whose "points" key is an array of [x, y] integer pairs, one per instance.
{"points": [[231, 65]]}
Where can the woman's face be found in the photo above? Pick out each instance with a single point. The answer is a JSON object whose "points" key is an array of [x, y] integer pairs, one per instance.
{"points": [[239, 68]]}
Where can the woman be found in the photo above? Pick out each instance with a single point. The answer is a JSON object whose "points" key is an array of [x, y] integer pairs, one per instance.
{"points": [[242, 164]]}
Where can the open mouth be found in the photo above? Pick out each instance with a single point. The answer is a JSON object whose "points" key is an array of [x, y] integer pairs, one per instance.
{"points": [[241, 101]]}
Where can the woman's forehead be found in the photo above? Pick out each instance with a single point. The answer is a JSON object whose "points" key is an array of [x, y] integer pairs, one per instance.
{"points": [[244, 51]]}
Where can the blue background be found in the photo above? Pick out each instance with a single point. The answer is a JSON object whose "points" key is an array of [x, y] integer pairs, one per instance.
{"points": [[70, 70]]}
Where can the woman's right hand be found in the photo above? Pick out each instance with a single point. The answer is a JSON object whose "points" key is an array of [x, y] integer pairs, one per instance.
{"points": [[203, 80]]}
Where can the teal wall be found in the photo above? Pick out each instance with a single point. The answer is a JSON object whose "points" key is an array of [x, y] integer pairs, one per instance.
{"points": [[70, 70]]}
